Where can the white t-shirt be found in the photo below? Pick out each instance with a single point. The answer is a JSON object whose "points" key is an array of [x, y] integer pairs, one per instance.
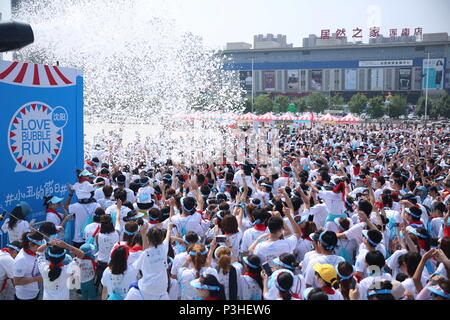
{"points": [[90, 229], [57, 289], [86, 269], [153, 265], [53, 218], [16, 233], [278, 183], [130, 195], [106, 243], [185, 276], [310, 278], [298, 286], [25, 266], [303, 246], [112, 211], [119, 283], [178, 261], [269, 250], [189, 223], [82, 212], [320, 213], [235, 242], [249, 236], [333, 201], [392, 262], [369, 282], [6, 267], [105, 203], [249, 289]]}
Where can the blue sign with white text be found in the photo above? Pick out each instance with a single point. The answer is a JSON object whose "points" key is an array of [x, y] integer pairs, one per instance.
{"points": [[41, 133]]}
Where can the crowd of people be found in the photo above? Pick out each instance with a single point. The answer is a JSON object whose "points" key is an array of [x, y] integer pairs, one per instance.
{"points": [[343, 213]]}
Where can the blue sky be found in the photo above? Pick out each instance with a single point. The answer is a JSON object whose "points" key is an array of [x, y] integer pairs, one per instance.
{"points": [[219, 21]]}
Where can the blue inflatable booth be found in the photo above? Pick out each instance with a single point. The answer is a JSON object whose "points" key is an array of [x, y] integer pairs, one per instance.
{"points": [[41, 134]]}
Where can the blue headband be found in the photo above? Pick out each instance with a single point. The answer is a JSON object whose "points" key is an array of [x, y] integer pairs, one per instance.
{"points": [[37, 242], [13, 247], [196, 284], [184, 208], [53, 255], [280, 263], [193, 253], [257, 221], [413, 231], [130, 233], [326, 245], [250, 264], [373, 243], [374, 292], [139, 215], [345, 277], [154, 219], [410, 213]]}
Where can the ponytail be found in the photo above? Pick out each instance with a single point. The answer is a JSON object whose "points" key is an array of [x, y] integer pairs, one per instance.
{"points": [[55, 271], [55, 255]]}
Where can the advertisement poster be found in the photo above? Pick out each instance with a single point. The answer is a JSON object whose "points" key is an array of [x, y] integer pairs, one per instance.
{"points": [[435, 70], [293, 82], [246, 80], [376, 79], [404, 78], [41, 133], [350, 79], [316, 80], [269, 80]]}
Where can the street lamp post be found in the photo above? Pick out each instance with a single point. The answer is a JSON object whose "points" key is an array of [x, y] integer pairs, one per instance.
{"points": [[426, 90], [253, 82]]}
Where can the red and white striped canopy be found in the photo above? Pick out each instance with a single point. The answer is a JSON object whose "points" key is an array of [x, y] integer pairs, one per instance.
{"points": [[328, 118], [37, 75], [267, 117], [247, 117], [349, 118], [309, 116], [287, 117]]}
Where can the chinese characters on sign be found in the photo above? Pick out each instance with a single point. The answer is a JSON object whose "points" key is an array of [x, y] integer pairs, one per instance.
{"points": [[373, 33], [36, 192]]}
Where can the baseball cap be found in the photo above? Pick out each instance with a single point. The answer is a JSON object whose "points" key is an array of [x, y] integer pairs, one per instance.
{"points": [[398, 290], [326, 272]]}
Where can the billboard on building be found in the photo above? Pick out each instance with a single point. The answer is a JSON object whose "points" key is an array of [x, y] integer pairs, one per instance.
{"points": [[246, 80], [435, 70], [404, 79], [376, 79], [269, 80], [316, 80], [350, 79], [293, 80]]}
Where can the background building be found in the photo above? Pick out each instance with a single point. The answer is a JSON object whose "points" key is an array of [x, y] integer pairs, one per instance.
{"points": [[336, 66], [270, 41]]}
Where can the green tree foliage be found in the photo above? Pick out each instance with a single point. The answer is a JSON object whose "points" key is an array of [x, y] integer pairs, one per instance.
{"points": [[262, 104], [336, 102], [301, 104], [357, 103], [282, 103], [292, 108], [318, 102], [397, 106], [439, 107], [376, 107]]}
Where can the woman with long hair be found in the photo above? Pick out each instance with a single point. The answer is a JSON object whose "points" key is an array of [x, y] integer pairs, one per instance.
{"points": [[118, 276], [16, 225], [251, 282], [208, 288], [54, 272]]}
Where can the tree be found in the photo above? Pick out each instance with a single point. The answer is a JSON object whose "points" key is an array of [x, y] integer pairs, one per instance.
{"points": [[439, 107], [444, 102], [301, 104], [282, 103], [420, 106], [262, 104], [357, 103], [397, 106], [336, 101], [292, 108], [247, 105], [376, 107], [318, 102]]}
